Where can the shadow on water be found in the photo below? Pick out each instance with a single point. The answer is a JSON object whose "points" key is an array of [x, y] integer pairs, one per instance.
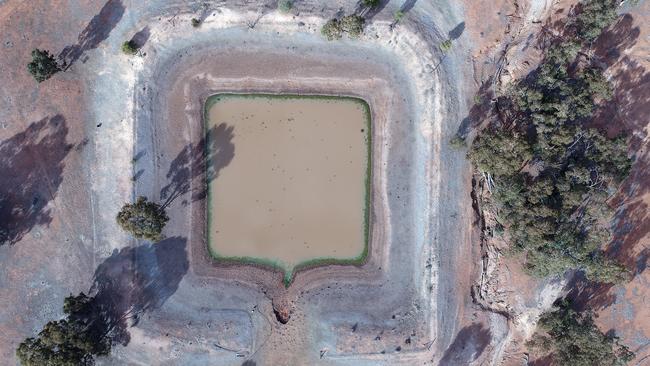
{"points": [[204, 159], [96, 31], [469, 344], [31, 163], [135, 280]]}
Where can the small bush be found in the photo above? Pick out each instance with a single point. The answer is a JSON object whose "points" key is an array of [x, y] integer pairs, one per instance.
{"points": [[352, 25], [445, 46], [457, 142], [196, 23], [129, 48], [285, 5], [332, 29], [371, 3]]}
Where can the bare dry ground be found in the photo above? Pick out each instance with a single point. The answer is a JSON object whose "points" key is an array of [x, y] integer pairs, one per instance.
{"points": [[72, 145]]}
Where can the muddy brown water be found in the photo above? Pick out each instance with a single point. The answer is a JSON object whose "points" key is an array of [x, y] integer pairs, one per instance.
{"points": [[295, 189]]}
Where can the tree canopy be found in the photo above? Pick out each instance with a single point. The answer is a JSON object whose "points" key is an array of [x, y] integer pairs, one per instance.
{"points": [[43, 65], [131, 48], [552, 172], [573, 339], [74, 340], [143, 219]]}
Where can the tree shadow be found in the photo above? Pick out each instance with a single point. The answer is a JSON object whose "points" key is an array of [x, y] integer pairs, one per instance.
{"points": [[458, 30], [469, 344], [481, 110], [135, 280], [554, 28], [546, 360], [618, 38], [141, 38], [368, 12], [204, 159], [137, 175], [32, 166], [585, 294], [407, 5], [96, 31]]}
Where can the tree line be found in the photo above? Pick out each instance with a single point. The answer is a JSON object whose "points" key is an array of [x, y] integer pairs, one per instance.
{"points": [[551, 174]]}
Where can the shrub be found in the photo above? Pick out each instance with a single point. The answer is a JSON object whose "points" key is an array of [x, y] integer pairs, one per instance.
{"points": [[130, 47], [332, 29], [285, 5], [352, 25], [457, 142], [196, 23], [143, 219], [43, 65], [445, 46]]}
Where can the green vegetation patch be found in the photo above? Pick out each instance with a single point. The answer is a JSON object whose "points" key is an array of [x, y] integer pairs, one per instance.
{"points": [[285, 5], [43, 65], [352, 25], [289, 273], [572, 338], [550, 171], [130, 47]]}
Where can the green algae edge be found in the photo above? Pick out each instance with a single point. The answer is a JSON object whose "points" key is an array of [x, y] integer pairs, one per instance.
{"points": [[289, 274]]}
